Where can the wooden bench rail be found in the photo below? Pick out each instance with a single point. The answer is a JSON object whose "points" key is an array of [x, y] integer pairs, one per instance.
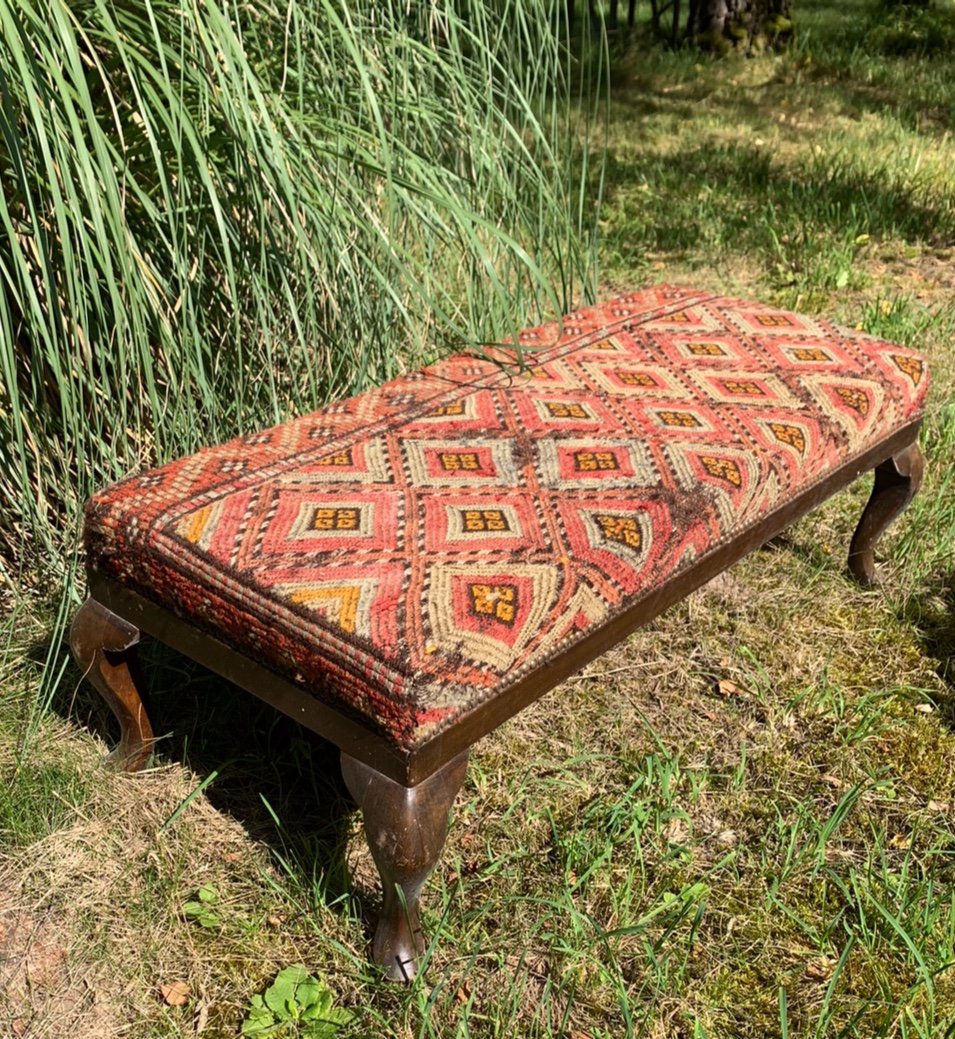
{"points": [[898, 466]]}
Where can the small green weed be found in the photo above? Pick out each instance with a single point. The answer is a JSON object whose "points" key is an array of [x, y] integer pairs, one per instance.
{"points": [[202, 908], [295, 1004]]}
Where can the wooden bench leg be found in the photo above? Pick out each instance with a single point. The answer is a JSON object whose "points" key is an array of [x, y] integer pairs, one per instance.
{"points": [[105, 648], [897, 480], [406, 829]]}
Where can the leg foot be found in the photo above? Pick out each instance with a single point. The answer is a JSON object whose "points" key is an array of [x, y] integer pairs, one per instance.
{"points": [[406, 828], [104, 646], [897, 480]]}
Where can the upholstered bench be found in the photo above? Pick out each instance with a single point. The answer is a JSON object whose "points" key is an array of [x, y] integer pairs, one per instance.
{"points": [[403, 571]]}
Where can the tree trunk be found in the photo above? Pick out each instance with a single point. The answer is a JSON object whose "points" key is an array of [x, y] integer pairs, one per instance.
{"points": [[723, 24]]}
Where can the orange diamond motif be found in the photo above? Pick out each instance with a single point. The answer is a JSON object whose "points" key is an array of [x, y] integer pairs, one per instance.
{"points": [[623, 529], [678, 418], [773, 320], [337, 518], [636, 379], [723, 468], [558, 409], [338, 458], [787, 434], [743, 388], [455, 407], [484, 519], [855, 399], [338, 604], [592, 461], [910, 366], [706, 349], [455, 461], [497, 601], [810, 353]]}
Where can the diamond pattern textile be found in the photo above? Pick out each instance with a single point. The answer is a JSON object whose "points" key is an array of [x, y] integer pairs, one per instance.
{"points": [[415, 550]]}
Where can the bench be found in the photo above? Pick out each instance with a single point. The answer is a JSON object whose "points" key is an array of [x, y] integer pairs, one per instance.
{"points": [[403, 571]]}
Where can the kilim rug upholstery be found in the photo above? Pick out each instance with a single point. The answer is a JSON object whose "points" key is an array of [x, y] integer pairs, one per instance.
{"points": [[415, 550]]}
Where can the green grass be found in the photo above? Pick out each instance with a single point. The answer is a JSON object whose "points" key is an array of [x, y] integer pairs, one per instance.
{"points": [[37, 799], [738, 823], [216, 214]]}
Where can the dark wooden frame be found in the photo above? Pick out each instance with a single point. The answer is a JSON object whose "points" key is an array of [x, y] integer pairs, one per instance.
{"points": [[406, 795]]}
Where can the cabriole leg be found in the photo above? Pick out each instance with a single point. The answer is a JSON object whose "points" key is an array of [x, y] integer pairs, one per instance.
{"points": [[406, 829], [105, 648], [897, 480]]}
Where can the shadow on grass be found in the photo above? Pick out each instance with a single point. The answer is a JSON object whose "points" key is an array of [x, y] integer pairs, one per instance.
{"points": [[934, 618], [857, 56], [740, 195], [280, 781], [916, 105]]}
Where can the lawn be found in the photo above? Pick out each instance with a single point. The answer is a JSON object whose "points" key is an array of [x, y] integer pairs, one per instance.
{"points": [[737, 823]]}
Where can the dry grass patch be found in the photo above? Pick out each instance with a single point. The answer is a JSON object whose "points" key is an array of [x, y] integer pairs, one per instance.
{"points": [[99, 940]]}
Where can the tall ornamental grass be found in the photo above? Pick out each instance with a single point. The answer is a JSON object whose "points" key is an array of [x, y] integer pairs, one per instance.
{"points": [[214, 214]]}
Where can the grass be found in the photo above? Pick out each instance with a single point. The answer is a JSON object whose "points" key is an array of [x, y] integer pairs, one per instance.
{"points": [[736, 824], [217, 214]]}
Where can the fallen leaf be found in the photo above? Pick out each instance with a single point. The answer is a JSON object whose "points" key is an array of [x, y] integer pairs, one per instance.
{"points": [[727, 688], [463, 993], [177, 994], [938, 806], [925, 708], [820, 968]]}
